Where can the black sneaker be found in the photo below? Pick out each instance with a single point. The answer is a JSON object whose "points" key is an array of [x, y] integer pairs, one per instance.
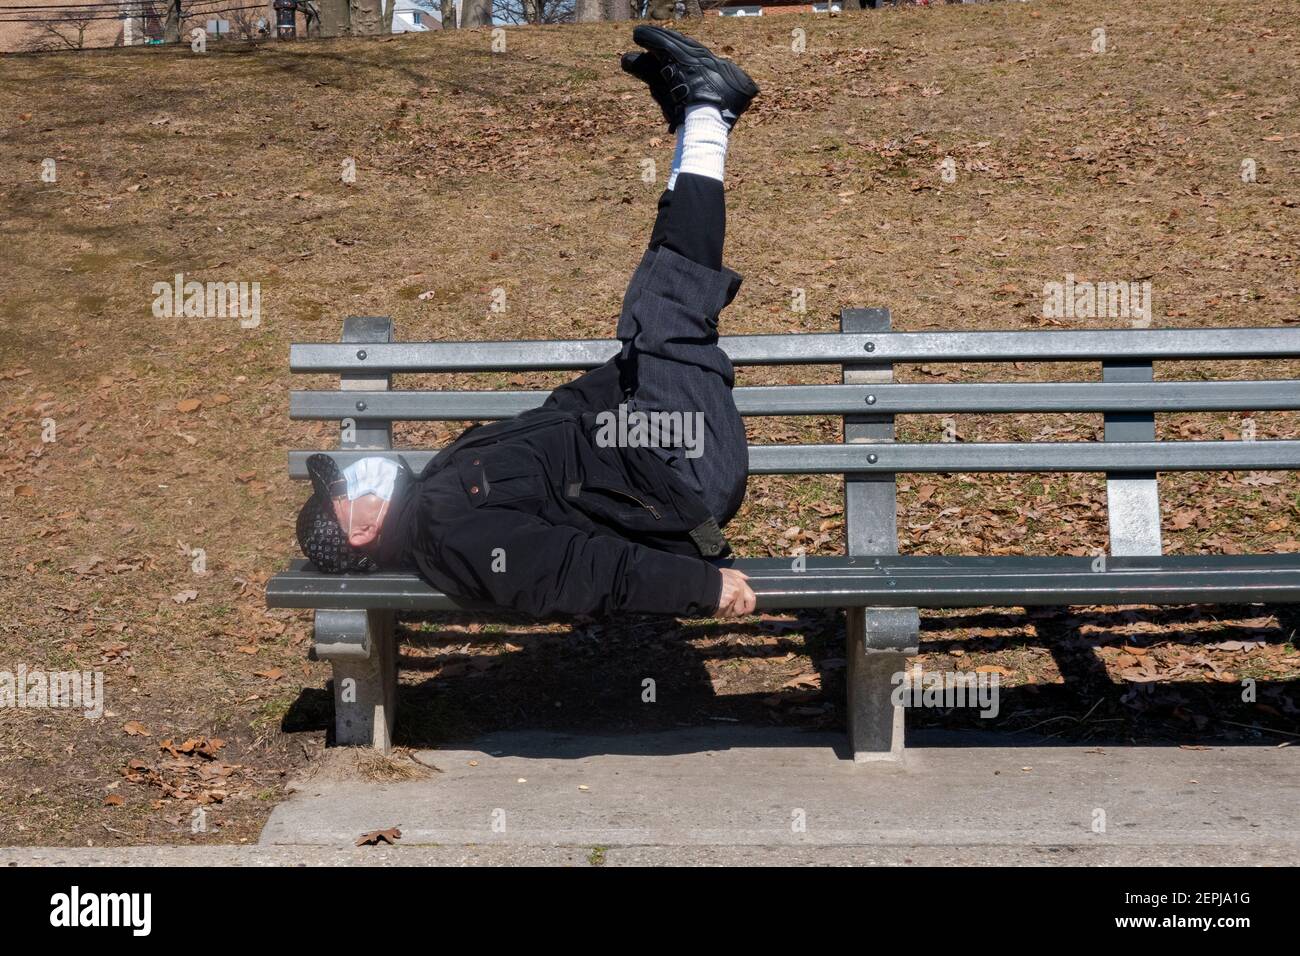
{"points": [[645, 68], [694, 76]]}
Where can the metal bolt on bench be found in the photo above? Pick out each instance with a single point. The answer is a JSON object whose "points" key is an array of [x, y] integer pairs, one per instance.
{"points": [[880, 590]]}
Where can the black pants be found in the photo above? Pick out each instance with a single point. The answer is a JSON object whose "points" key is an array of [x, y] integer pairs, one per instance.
{"points": [[669, 328], [670, 360], [692, 220]]}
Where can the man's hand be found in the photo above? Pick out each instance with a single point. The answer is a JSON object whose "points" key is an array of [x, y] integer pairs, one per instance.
{"points": [[737, 596]]}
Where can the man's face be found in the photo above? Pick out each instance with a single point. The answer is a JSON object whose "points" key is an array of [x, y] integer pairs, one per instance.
{"points": [[362, 519]]}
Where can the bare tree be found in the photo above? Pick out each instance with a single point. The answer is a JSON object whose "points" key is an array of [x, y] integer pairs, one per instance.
{"points": [[448, 14], [65, 30], [588, 11], [533, 11], [618, 10], [476, 13], [248, 24], [172, 25]]}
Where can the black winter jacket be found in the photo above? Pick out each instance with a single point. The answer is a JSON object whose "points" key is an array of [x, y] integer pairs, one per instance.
{"points": [[529, 513]]}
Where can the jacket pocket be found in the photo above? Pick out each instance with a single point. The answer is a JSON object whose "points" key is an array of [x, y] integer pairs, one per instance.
{"points": [[499, 475]]}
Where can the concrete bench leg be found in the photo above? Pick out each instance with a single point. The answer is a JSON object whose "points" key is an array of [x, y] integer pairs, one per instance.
{"points": [[362, 646], [878, 642]]}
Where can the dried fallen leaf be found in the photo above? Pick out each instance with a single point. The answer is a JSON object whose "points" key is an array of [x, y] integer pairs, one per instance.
{"points": [[87, 564], [375, 837], [187, 405], [134, 728], [810, 679], [183, 597]]}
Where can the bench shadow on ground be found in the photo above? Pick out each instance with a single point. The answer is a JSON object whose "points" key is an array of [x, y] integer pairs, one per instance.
{"points": [[589, 680]]}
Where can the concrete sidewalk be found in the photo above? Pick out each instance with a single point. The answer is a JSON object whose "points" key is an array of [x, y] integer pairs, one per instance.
{"points": [[737, 794], [763, 796], [523, 855]]}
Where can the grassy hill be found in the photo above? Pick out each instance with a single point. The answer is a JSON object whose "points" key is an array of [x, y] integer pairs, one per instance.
{"points": [[522, 170]]}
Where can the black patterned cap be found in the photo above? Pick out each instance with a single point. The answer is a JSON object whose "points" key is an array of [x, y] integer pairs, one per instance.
{"points": [[322, 539]]}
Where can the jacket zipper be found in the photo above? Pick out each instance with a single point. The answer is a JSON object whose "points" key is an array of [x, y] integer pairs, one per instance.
{"points": [[624, 494]]}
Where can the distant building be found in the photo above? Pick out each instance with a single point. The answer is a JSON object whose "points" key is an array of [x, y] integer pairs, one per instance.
{"points": [[771, 7], [410, 16]]}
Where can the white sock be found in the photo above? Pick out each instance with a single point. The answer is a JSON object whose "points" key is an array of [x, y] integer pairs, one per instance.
{"points": [[701, 144]]}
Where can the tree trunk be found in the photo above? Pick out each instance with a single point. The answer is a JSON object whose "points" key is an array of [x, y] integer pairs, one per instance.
{"points": [[693, 8], [388, 15], [366, 17], [334, 19], [172, 26], [476, 13], [448, 8], [588, 11], [618, 10]]}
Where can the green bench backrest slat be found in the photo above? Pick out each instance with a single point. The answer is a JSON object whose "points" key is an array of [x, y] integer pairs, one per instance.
{"points": [[895, 399], [813, 348]]}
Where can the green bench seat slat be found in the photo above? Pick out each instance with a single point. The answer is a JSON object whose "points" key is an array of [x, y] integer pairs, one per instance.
{"points": [[935, 457], [897, 581]]}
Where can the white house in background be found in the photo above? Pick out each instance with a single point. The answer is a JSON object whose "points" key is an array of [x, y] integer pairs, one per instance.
{"points": [[417, 16]]}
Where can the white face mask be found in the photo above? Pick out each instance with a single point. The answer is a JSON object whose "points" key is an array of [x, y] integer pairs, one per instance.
{"points": [[371, 476], [366, 476]]}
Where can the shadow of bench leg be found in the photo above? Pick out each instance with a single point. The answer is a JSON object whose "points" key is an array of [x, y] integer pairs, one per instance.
{"points": [[878, 641], [363, 649]]}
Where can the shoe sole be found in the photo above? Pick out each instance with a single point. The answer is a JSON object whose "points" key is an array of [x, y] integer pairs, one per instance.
{"points": [[692, 52]]}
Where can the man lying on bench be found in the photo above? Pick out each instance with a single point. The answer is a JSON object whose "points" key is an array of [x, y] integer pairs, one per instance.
{"points": [[612, 494]]}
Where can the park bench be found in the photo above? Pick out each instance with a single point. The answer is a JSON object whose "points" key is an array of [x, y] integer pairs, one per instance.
{"points": [[879, 589]]}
